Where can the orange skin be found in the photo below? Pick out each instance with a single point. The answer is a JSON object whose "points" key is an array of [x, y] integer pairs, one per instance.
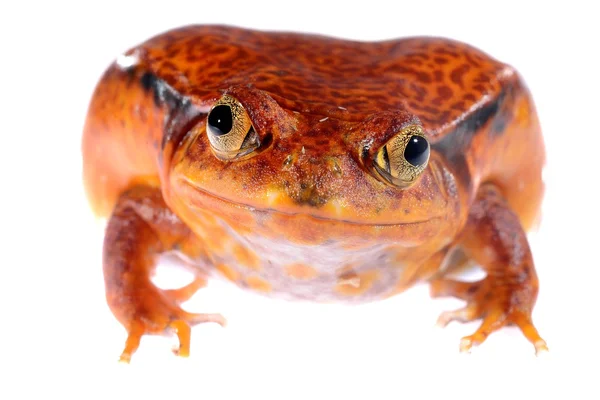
{"points": [[306, 217]]}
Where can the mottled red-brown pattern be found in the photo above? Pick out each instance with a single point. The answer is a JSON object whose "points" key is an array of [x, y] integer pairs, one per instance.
{"points": [[306, 217], [316, 75]]}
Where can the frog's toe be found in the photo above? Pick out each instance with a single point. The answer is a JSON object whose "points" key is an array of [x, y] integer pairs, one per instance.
{"points": [[525, 324], [151, 310], [497, 305], [491, 322], [134, 335], [465, 314], [186, 292], [498, 319], [183, 330]]}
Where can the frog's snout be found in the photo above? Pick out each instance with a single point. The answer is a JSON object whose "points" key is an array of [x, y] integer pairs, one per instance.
{"points": [[310, 179]]}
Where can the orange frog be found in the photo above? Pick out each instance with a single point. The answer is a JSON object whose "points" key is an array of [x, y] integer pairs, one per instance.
{"points": [[316, 169]]}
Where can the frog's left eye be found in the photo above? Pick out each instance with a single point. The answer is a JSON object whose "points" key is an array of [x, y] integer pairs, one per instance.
{"points": [[402, 160], [230, 131]]}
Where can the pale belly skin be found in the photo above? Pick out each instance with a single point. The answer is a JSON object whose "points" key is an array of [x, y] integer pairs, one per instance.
{"points": [[306, 217]]}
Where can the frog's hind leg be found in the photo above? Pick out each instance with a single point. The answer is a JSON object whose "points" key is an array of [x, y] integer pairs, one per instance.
{"points": [[140, 228], [494, 238]]}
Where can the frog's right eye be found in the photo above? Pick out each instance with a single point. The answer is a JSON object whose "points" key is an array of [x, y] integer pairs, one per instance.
{"points": [[230, 130]]}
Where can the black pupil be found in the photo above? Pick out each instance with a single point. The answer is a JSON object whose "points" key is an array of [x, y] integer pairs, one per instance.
{"points": [[417, 151], [220, 120]]}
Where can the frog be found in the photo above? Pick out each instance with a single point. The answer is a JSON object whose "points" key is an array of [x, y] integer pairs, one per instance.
{"points": [[314, 168]]}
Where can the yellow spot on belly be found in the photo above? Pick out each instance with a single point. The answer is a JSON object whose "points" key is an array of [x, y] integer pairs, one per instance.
{"points": [[192, 248], [247, 258], [258, 283], [301, 271], [214, 236], [228, 272], [353, 284]]}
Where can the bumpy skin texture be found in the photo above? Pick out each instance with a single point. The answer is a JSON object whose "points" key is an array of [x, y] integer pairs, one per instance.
{"points": [[306, 217]]}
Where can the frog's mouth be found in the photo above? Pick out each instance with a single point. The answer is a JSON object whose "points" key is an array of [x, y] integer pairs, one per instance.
{"points": [[203, 200]]}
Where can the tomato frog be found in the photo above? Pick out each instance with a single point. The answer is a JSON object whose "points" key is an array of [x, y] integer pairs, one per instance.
{"points": [[314, 168]]}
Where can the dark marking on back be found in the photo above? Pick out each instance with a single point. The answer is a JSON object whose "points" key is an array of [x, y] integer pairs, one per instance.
{"points": [[457, 74], [148, 82], [455, 144], [162, 92], [499, 124], [505, 113], [182, 115]]}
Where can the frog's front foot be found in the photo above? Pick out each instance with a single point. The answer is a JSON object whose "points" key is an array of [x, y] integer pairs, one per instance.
{"points": [[140, 228], [150, 310], [494, 239], [496, 304]]}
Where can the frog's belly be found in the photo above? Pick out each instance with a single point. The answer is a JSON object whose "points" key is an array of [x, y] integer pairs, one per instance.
{"points": [[297, 256], [324, 273]]}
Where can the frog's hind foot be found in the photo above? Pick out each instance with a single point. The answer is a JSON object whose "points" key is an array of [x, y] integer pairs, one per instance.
{"points": [[494, 304], [158, 312]]}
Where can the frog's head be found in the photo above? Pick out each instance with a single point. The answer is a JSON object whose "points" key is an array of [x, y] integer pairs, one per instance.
{"points": [[310, 172]]}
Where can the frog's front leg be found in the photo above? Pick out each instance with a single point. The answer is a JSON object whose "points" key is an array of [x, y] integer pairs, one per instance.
{"points": [[140, 228], [495, 239]]}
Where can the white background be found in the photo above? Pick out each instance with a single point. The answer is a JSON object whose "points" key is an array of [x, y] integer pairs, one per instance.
{"points": [[57, 337]]}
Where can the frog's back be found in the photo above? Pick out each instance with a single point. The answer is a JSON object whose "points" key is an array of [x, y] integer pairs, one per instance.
{"points": [[438, 79]]}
